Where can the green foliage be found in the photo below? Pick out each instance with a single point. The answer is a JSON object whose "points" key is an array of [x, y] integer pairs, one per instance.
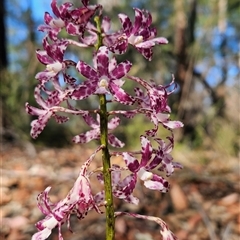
{"points": [[13, 97], [225, 137], [129, 131]]}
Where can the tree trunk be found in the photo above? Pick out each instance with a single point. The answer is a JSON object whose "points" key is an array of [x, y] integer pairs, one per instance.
{"points": [[3, 47], [184, 39]]}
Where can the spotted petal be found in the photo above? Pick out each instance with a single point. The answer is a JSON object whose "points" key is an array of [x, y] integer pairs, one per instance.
{"points": [[146, 151], [157, 183], [131, 162]]}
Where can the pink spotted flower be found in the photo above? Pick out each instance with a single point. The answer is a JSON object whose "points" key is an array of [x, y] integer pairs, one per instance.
{"points": [[153, 103], [79, 201], [94, 133], [143, 168], [104, 78], [55, 24], [91, 34], [74, 20], [49, 107], [121, 188], [52, 56], [163, 161], [140, 34]]}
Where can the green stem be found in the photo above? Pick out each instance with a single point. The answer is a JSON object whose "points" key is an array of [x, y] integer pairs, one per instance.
{"points": [[110, 219], [100, 38]]}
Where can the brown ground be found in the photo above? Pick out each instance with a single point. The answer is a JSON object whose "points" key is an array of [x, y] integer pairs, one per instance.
{"points": [[203, 202]]}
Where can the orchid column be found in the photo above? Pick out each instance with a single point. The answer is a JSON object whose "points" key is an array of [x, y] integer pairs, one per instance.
{"points": [[88, 28]]}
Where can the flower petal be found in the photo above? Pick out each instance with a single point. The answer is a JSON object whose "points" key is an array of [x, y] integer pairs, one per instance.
{"points": [[103, 61], [120, 70], [146, 151], [126, 23], [158, 183], [87, 71], [114, 141], [87, 136], [39, 124], [42, 235], [131, 162], [120, 95], [113, 123]]}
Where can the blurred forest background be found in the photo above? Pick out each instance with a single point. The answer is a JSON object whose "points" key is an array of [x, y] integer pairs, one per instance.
{"points": [[203, 54]]}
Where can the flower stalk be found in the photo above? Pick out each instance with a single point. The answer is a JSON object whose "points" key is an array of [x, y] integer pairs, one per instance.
{"points": [[110, 219], [99, 32], [107, 178]]}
